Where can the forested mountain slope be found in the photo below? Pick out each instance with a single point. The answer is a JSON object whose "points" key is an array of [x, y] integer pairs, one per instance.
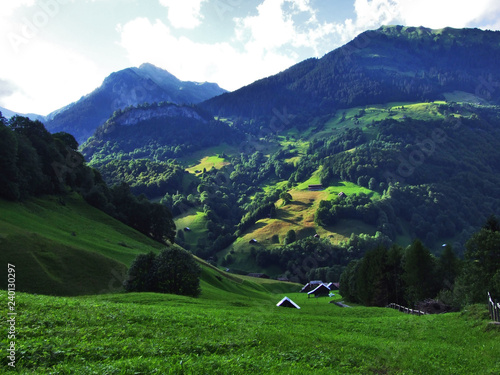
{"points": [[393, 63], [128, 87]]}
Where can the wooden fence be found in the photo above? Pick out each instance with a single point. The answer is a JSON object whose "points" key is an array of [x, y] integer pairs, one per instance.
{"points": [[406, 310], [494, 308]]}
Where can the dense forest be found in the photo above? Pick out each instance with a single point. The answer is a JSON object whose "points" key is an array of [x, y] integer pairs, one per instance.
{"points": [[393, 63], [407, 276], [436, 179], [35, 162]]}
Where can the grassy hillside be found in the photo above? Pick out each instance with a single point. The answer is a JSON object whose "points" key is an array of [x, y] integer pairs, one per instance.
{"points": [[298, 215], [236, 333], [63, 246]]}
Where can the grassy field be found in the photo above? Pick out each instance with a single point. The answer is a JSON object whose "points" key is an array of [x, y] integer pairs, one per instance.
{"points": [[194, 220], [64, 246], [208, 162], [298, 215], [242, 332]]}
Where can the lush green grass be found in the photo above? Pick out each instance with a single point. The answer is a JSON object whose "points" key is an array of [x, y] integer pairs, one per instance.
{"points": [[208, 162], [194, 220], [64, 246], [230, 333]]}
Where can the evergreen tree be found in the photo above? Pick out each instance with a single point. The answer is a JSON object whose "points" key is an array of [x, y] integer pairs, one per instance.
{"points": [[448, 268], [419, 275], [140, 274]]}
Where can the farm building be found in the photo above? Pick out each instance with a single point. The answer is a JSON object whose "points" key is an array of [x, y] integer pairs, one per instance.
{"points": [[321, 291], [316, 187], [342, 195], [310, 286], [287, 302]]}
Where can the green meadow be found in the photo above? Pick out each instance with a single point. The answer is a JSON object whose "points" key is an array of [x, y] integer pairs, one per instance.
{"points": [[241, 331]]}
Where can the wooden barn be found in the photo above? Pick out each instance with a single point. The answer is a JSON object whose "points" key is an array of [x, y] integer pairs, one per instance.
{"points": [[310, 286], [287, 302], [321, 291]]}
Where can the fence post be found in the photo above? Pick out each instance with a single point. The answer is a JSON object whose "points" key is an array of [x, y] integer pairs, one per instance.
{"points": [[497, 312]]}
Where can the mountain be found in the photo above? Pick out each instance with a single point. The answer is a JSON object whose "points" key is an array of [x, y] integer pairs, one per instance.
{"points": [[393, 63], [7, 113], [156, 132], [128, 87], [420, 161]]}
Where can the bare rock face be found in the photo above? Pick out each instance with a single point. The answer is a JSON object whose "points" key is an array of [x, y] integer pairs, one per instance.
{"points": [[140, 114]]}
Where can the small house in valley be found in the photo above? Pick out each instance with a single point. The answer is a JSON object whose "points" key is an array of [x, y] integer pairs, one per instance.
{"points": [[310, 286], [321, 291], [316, 187], [287, 302]]}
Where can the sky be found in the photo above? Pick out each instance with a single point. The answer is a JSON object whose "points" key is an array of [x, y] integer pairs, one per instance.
{"points": [[55, 51]]}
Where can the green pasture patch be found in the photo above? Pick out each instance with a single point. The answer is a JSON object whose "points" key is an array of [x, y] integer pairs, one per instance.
{"points": [[194, 220], [243, 333], [207, 163]]}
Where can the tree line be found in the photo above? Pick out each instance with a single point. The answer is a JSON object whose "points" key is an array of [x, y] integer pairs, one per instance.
{"points": [[34, 163], [406, 276]]}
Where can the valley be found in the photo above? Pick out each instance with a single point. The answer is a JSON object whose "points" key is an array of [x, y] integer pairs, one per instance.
{"points": [[376, 166]]}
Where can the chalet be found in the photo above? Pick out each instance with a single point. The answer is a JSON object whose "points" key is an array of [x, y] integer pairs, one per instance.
{"points": [[284, 278], [310, 286], [321, 291], [252, 241], [335, 286], [316, 187], [342, 195], [187, 229], [287, 302], [259, 275], [316, 235]]}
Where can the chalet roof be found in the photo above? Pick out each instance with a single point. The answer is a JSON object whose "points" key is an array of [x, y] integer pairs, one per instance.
{"points": [[320, 289], [287, 302]]}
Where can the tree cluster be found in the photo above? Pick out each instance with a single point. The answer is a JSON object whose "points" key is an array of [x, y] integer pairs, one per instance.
{"points": [[35, 162], [173, 271], [407, 276]]}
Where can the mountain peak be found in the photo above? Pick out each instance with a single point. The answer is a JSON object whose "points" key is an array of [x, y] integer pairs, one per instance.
{"points": [[127, 87]]}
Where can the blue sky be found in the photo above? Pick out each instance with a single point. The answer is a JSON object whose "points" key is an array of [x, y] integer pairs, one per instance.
{"points": [[55, 51]]}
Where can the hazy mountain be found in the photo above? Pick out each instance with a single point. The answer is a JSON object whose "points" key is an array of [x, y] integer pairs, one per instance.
{"points": [[7, 113], [128, 87], [393, 63]]}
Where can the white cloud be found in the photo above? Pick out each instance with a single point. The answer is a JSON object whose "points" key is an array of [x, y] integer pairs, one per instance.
{"points": [[283, 23], [8, 7], [184, 13], [50, 77], [429, 13], [229, 66]]}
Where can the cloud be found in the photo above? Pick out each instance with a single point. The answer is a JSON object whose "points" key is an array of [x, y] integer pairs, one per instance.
{"points": [[50, 76], [184, 13], [7, 88], [429, 13], [283, 23], [7, 8], [228, 65]]}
